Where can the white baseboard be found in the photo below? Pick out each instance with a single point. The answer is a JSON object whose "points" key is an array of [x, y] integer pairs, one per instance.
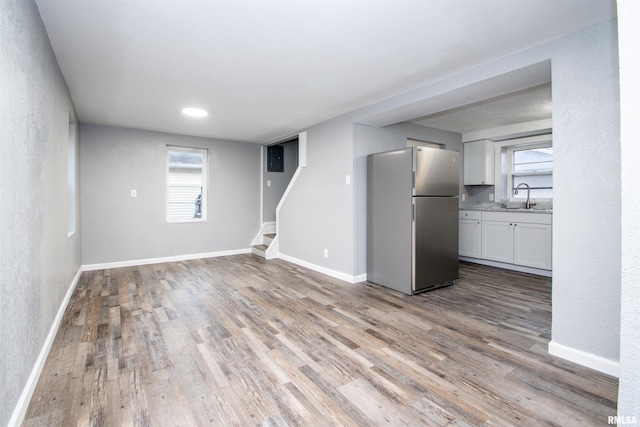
{"points": [[359, 278], [132, 263], [27, 393], [323, 270], [507, 266], [600, 364]]}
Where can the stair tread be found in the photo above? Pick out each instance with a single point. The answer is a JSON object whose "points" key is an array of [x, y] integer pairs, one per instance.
{"points": [[261, 247], [270, 235]]}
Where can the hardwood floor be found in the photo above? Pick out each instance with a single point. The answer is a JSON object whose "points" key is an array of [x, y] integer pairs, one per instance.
{"points": [[241, 341]]}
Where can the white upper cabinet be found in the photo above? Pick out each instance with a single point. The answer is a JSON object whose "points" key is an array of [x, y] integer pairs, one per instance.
{"points": [[479, 162]]}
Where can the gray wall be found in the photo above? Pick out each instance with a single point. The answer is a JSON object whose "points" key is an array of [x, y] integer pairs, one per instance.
{"points": [[318, 212], [374, 140], [322, 211], [117, 227], [38, 260], [279, 180]]}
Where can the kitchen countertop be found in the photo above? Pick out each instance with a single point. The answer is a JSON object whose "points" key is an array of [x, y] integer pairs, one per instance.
{"points": [[496, 207]]}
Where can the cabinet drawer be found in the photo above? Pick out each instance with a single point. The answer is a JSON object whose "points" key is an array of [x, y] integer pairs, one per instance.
{"points": [[470, 215], [531, 218]]}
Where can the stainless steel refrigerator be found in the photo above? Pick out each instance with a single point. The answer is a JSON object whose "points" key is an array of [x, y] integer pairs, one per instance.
{"points": [[412, 218]]}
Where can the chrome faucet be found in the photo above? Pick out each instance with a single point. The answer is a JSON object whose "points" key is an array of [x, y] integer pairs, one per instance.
{"points": [[515, 192]]}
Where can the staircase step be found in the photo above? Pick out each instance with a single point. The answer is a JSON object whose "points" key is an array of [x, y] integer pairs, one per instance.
{"points": [[259, 250]]}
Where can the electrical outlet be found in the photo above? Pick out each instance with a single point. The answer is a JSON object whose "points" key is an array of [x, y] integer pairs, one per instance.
{"points": [[348, 180], [491, 197], [134, 193], [326, 253], [464, 197]]}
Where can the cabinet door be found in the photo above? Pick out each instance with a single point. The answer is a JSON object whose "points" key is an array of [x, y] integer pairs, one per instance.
{"points": [[479, 163], [470, 238], [497, 241], [532, 245]]}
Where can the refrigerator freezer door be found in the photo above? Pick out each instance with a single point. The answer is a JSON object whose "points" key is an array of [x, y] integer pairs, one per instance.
{"points": [[435, 242], [437, 172]]}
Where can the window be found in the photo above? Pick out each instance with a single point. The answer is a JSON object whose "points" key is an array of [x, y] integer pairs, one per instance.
{"points": [[186, 184], [532, 165]]}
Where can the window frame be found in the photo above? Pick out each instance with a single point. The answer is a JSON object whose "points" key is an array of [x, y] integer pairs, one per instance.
{"points": [[510, 149], [205, 183]]}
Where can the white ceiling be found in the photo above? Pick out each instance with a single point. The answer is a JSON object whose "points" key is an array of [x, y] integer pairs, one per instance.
{"points": [[265, 68], [523, 106]]}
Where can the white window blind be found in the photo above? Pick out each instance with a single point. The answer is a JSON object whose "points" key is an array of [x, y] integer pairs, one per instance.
{"points": [[186, 184], [533, 166]]}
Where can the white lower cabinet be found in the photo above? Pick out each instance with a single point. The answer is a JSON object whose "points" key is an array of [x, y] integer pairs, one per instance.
{"points": [[497, 241], [514, 238], [470, 234], [532, 245]]}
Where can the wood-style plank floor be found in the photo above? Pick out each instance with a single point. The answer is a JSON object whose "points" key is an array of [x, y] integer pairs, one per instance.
{"points": [[240, 341]]}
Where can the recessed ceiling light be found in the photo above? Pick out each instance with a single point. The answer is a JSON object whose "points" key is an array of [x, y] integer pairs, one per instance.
{"points": [[194, 112]]}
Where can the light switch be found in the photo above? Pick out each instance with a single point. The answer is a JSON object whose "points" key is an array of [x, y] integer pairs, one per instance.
{"points": [[134, 193], [348, 180], [268, 183]]}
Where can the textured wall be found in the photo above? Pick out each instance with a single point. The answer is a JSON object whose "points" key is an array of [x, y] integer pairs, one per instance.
{"points": [[586, 215], [38, 261], [117, 227], [629, 34]]}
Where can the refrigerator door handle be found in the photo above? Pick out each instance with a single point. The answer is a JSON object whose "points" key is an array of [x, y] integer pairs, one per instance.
{"points": [[413, 183]]}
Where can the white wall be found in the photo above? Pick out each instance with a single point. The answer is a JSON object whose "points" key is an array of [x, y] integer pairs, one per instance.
{"points": [[119, 228], [586, 207], [38, 260], [629, 34]]}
